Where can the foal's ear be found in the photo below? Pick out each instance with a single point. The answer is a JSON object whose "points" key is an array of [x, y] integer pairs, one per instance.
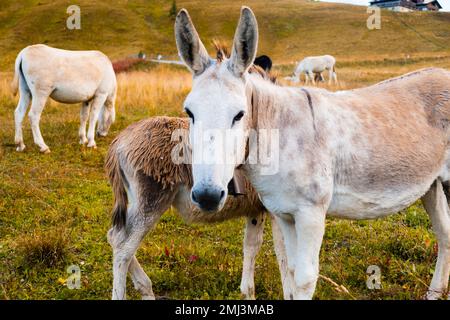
{"points": [[190, 47], [245, 43]]}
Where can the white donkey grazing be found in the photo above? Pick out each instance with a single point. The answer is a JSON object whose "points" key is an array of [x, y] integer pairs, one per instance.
{"points": [[314, 66], [68, 77], [357, 154], [140, 169]]}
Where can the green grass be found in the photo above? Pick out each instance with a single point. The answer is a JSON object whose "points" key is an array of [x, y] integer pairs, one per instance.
{"points": [[55, 209], [289, 29]]}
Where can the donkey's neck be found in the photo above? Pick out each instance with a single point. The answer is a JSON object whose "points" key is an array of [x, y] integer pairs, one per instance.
{"points": [[272, 104], [279, 116]]}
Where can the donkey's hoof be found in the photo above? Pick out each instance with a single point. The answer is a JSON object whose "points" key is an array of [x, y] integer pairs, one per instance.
{"points": [[83, 141], [92, 145], [20, 147], [101, 134], [45, 150], [148, 297], [433, 295]]}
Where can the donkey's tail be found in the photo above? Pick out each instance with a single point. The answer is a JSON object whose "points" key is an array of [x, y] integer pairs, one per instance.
{"points": [[116, 178], [17, 74]]}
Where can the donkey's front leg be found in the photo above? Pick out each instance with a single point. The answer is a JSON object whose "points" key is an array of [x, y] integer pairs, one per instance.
{"points": [[37, 105], [252, 244], [96, 105], [84, 116], [286, 277], [286, 225], [309, 227], [311, 77]]}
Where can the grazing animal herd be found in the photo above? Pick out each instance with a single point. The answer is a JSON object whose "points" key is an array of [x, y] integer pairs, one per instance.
{"points": [[359, 154]]}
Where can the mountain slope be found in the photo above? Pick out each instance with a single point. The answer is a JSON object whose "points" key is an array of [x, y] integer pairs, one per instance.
{"points": [[289, 29]]}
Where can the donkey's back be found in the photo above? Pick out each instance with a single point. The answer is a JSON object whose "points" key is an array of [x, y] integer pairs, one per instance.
{"points": [[394, 137], [67, 76]]}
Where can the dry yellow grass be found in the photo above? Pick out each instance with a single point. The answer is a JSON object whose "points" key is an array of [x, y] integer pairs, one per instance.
{"points": [[160, 90]]}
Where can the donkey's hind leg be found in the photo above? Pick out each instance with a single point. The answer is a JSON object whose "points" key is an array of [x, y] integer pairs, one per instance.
{"points": [[435, 203], [125, 241], [252, 244], [19, 114], [150, 201]]}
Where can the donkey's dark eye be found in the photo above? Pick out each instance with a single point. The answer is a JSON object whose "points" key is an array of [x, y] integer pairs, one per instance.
{"points": [[189, 113], [238, 116]]}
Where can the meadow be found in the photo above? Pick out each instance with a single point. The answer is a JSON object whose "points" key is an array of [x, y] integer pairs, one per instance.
{"points": [[55, 208]]}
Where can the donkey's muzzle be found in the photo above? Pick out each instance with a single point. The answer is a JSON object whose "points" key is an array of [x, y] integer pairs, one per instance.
{"points": [[208, 199]]}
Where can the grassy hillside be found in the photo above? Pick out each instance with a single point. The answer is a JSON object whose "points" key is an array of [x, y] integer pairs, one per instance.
{"points": [[290, 29], [55, 208], [55, 212]]}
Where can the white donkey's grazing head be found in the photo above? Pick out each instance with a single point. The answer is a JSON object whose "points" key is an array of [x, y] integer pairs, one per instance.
{"points": [[106, 118], [218, 107]]}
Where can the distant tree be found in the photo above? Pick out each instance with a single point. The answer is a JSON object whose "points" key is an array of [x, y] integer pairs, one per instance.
{"points": [[173, 10]]}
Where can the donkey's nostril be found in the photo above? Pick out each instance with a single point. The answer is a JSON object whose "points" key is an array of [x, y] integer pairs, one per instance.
{"points": [[207, 199], [194, 196]]}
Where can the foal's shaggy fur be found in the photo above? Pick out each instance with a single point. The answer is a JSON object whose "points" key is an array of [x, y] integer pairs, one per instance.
{"points": [[146, 147], [146, 182]]}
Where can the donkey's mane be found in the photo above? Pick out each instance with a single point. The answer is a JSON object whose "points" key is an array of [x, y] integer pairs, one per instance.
{"points": [[223, 52]]}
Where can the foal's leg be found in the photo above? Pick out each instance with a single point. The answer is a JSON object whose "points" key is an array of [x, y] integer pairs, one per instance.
{"points": [[84, 115], [150, 201], [96, 105], [125, 243], [280, 251], [37, 105], [252, 244], [141, 281], [19, 114], [310, 227], [436, 206]]}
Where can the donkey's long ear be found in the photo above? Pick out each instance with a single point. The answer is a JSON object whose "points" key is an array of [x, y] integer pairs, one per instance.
{"points": [[190, 47], [245, 43]]}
